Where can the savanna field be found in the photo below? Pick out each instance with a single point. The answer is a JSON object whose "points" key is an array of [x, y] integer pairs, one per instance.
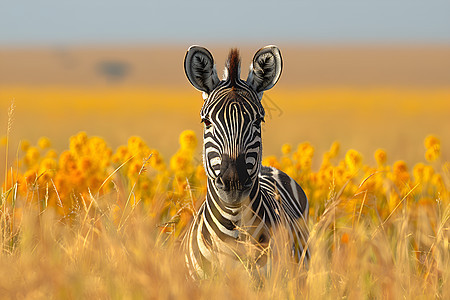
{"points": [[91, 220], [100, 183]]}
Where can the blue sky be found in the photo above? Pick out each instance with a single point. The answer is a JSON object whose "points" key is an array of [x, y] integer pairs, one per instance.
{"points": [[59, 22]]}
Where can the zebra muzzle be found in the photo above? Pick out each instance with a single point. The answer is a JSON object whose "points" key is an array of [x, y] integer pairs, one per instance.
{"points": [[233, 174]]}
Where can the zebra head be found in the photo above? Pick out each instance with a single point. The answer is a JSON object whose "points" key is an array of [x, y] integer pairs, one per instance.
{"points": [[232, 114]]}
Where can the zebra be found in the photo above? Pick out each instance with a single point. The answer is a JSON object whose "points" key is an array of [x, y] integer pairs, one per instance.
{"points": [[245, 202]]}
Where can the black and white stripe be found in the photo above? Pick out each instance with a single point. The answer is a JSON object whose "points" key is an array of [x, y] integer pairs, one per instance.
{"points": [[245, 201]]}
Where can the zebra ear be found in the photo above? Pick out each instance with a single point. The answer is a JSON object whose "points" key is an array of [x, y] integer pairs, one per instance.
{"points": [[265, 69], [200, 69]]}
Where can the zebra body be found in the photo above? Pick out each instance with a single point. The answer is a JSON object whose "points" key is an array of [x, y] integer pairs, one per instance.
{"points": [[246, 203]]}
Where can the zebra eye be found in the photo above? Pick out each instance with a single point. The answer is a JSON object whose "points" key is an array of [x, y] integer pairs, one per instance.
{"points": [[206, 122]]}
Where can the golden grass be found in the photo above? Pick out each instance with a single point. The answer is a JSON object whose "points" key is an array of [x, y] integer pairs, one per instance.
{"points": [[377, 232], [85, 220], [89, 256]]}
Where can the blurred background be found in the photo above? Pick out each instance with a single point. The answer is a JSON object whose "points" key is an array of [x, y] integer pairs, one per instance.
{"points": [[371, 74]]}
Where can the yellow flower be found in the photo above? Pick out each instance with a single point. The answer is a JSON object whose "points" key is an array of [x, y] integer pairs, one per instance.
{"points": [[286, 162], [145, 184], [428, 171], [181, 163], [400, 170], [200, 173], [121, 154], [32, 156], [48, 166], [326, 160], [437, 180], [188, 140], [303, 156], [353, 160], [290, 171], [24, 145], [135, 168], [380, 157], [51, 154], [305, 149], [79, 138], [334, 149], [85, 164], [44, 142], [271, 161], [77, 178], [135, 141], [400, 167], [418, 171], [433, 153], [30, 177], [78, 142], [67, 162], [431, 141], [286, 149], [137, 146], [49, 163], [156, 161], [392, 201]]}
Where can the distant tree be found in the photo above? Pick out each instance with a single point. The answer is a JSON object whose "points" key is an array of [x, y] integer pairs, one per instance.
{"points": [[114, 71]]}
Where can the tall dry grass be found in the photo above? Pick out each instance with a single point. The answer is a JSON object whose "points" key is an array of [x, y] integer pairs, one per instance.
{"points": [[120, 244], [354, 255]]}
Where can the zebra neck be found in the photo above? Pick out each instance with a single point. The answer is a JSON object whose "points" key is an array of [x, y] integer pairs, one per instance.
{"points": [[242, 215]]}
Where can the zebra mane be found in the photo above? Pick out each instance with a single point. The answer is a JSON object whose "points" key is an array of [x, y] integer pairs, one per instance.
{"points": [[233, 66]]}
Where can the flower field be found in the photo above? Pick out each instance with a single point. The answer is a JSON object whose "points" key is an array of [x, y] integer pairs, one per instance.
{"points": [[387, 222], [84, 217]]}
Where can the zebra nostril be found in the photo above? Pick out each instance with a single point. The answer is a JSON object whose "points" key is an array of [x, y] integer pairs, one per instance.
{"points": [[248, 183], [219, 183]]}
